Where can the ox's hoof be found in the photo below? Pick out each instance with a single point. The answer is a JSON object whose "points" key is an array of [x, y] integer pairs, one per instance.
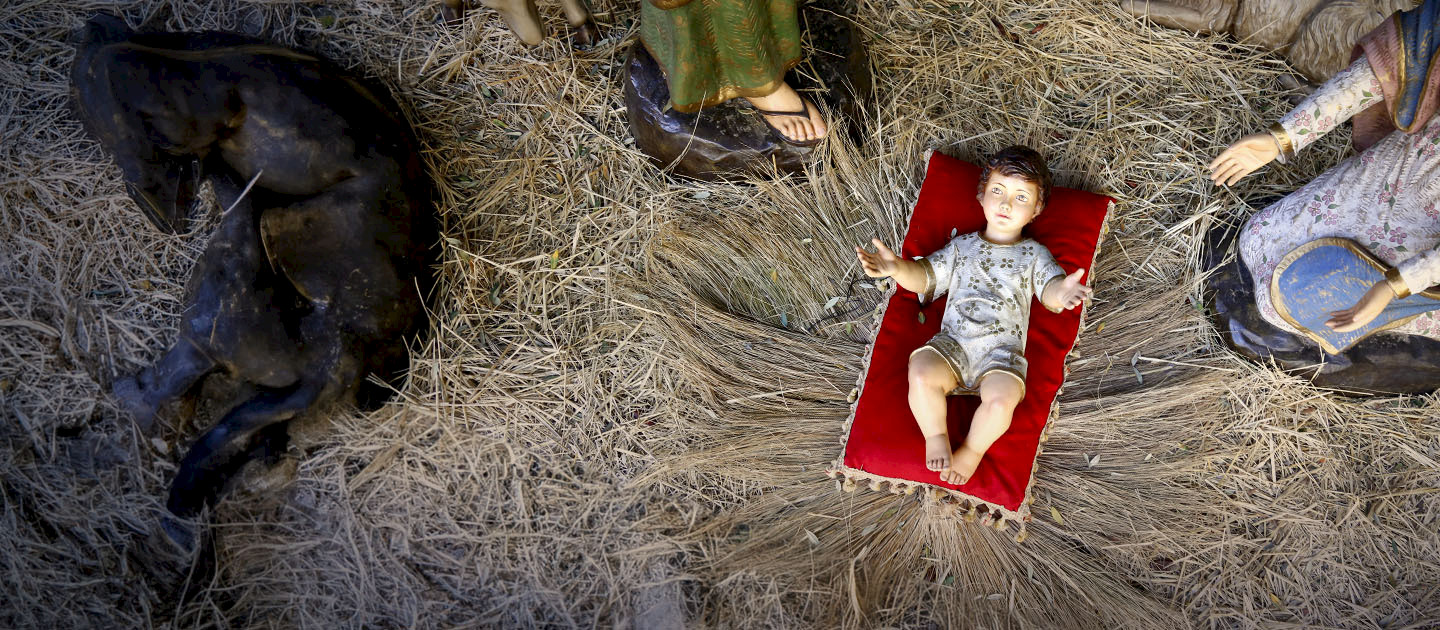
{"points": [[176, 558], [261, 477], [132, 400]]}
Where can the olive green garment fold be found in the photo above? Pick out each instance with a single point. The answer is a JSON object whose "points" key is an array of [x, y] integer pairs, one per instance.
{"points": [[715, 50]]}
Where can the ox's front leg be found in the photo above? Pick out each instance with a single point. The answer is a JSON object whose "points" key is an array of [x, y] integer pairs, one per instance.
{"points": [[141, 395], [222, 450]]}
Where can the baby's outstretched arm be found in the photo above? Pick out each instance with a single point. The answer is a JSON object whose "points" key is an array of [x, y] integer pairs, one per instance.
{"points": [[1065, 293], [884, 263]]}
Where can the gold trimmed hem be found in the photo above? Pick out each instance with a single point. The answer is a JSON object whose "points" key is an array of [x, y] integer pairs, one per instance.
{"points": [[963, 388], [1364, 255], [726, 92], [211, 54], [1434, 59], [1282, 139]]}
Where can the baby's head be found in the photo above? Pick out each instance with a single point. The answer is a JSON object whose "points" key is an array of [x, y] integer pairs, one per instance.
{"points": [[1014, 186]]}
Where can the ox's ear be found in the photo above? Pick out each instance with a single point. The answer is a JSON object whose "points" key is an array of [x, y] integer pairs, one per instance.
{"points": [[100, 30], [163, 185], [306, 244]]}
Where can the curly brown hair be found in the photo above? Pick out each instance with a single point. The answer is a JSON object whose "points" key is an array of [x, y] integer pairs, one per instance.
{"points": [[1023, 162]]}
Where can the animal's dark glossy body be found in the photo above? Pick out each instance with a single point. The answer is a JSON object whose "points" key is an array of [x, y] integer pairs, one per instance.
{"points": [[315, 277]]}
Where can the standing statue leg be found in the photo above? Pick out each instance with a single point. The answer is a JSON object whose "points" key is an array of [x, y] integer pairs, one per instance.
{"points": [[522, 17], [583, 31], [452, 11], [714, 52]]}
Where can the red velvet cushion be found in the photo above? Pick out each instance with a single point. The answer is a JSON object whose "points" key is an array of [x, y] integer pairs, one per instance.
{"points": [[884, 439]]}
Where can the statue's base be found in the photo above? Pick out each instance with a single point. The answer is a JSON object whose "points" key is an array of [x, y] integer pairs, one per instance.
{"points": [[1383, 363], [729, 141]]}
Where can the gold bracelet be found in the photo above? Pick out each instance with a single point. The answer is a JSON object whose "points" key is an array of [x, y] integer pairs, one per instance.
{"points": [[1282, 139], [1397, 283], [931, 282]]}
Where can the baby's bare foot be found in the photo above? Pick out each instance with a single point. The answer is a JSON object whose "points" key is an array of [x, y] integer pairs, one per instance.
{"points": [[937, 452], [962, 465]]}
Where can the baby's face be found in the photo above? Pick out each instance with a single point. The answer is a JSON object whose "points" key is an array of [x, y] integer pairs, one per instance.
{"points": [[1009, 202]]}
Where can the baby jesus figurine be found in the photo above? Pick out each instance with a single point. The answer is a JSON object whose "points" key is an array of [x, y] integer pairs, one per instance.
{"points": [[989, 277]]}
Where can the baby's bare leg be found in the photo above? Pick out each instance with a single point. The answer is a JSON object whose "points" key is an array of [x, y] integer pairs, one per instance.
{"points": [[1000, 392], [930, 381]]}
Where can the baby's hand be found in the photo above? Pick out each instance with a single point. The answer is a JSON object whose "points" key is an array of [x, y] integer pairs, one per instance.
{"points": [[1072, 292], [881, 264]]}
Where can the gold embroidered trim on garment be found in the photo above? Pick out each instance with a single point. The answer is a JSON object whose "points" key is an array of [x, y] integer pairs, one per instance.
{"points": [[1282, 138], [1364, 255]]}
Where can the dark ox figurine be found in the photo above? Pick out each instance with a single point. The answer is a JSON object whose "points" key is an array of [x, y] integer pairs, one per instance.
{"points": [[314, 279]]}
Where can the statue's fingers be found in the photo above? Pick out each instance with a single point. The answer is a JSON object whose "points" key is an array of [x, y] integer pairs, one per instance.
{"points": [[1215, 170], [1218, 175], [1228, 162], [1224, 177], [882, 249], [1238, 174], [1224, 155]]}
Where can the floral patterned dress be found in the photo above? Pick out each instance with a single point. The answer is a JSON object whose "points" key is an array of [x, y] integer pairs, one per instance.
{"points": [[1384, 198]]}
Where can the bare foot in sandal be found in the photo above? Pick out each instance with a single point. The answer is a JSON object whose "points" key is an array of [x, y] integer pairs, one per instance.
{"points": [[790, 115]]}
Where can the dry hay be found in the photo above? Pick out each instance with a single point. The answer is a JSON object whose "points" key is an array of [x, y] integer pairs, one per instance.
{"points": [[633, 384]]}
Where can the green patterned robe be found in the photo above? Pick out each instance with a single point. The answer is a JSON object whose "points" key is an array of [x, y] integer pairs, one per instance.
{"points": [[715, 50]]}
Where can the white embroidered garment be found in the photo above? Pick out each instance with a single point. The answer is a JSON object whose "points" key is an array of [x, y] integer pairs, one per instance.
{"points": [[987, 311], [1385, 198]]}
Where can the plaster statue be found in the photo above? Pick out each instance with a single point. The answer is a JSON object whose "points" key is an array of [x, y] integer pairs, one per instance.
{"points": [[709, 90], [1316, 36], [1333, 266], [523, 18]]}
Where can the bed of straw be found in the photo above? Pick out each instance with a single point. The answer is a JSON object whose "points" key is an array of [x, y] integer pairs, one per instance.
{"points": [[633, 383]]}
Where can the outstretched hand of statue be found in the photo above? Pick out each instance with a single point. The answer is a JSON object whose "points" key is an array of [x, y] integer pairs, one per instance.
{"points": [[1063, 294], [881, 264], [1243, 158], [1364, 311]]}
